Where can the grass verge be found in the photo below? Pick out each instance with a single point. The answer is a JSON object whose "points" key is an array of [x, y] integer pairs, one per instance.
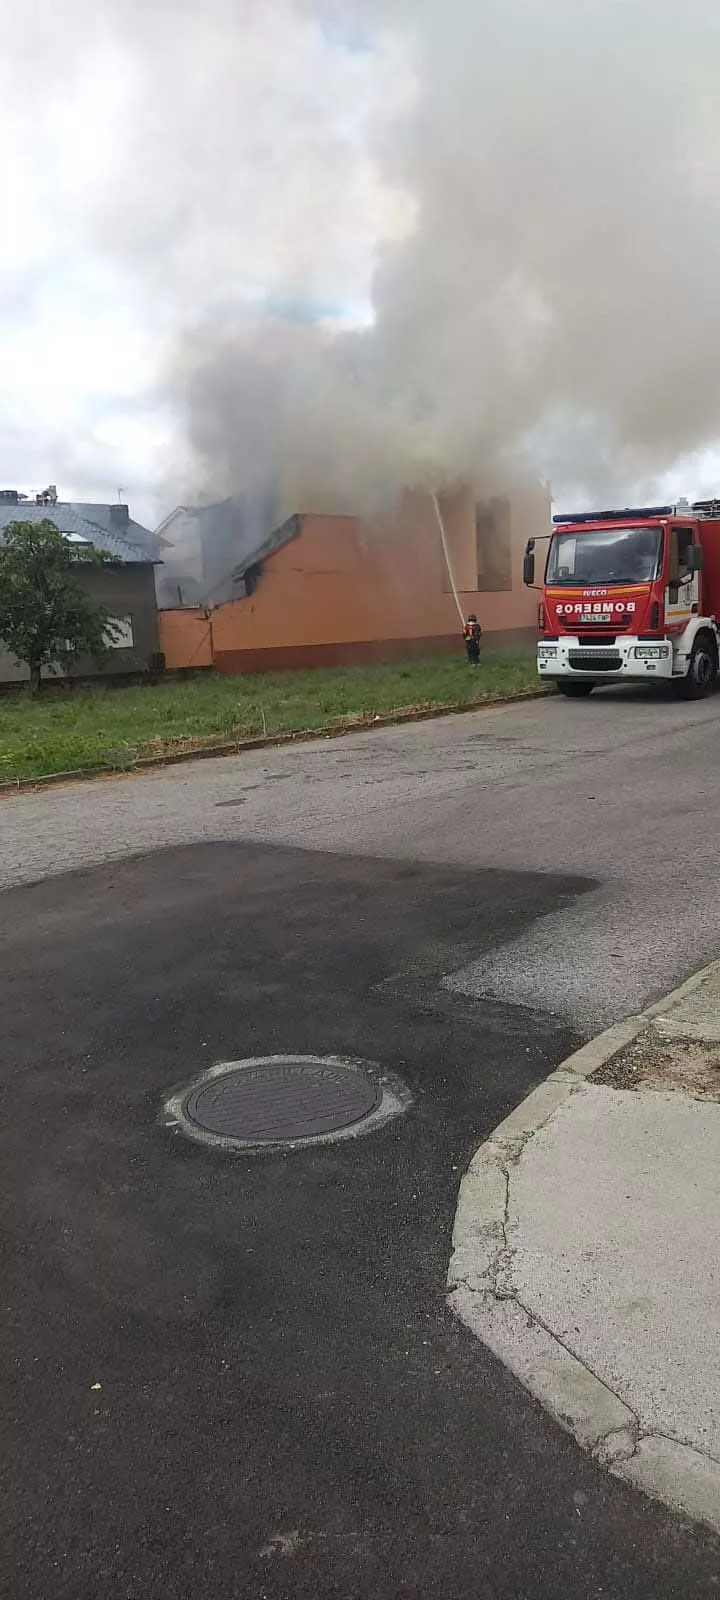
{"points": [[83, 730]]}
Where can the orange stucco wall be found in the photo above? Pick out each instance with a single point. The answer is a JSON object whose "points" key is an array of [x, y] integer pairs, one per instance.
{"points": [[186, 638], [342, 583]]}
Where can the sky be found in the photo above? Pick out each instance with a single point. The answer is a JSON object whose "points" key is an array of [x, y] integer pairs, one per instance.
{"points": [[160, 167], [367, 241]]}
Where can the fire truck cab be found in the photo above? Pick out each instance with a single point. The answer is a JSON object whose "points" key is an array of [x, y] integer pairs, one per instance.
{"points": [[630, 596]]}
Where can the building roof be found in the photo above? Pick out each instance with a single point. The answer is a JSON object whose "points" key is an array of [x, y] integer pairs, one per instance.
{"points": [[230, 521], [232, 535], [231, 524], [80, 528], [117, 520], [279, 537]]}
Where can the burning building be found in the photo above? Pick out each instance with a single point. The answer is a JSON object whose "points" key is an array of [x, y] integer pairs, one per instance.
{"points": [[329, 590]]}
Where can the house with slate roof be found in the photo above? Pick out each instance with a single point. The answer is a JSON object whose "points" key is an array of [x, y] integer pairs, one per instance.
{"points": [[126, 588]]}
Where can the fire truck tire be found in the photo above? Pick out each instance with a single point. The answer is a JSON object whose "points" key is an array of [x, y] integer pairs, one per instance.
{"points": [[576, 691], [702, 671]]}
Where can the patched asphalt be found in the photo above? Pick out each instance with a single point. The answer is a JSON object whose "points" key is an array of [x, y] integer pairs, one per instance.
{"points": [[286, 1410], [622, 788]]}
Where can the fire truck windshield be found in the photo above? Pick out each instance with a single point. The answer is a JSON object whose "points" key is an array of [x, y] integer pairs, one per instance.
{"points": [[604, 556]]}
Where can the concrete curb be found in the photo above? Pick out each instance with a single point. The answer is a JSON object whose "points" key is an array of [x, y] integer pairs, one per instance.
{"points": [[480, 1293], [235, 747]]}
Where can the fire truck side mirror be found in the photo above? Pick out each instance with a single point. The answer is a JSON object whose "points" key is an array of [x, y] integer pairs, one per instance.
{"points": [[529, 564]]}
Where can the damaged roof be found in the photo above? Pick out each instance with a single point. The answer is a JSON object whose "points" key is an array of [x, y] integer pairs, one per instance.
{"points": [[274, 541]]}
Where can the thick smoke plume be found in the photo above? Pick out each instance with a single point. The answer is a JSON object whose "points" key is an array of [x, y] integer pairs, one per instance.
{"points": [[554, 302], [387, 242]]}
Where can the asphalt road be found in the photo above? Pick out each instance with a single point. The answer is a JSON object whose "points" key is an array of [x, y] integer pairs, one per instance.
{"points": [[623, 789], [287, 1410]]}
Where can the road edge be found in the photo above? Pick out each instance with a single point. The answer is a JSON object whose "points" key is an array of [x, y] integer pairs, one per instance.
{"points": [[479, 1293], [9, 787]]}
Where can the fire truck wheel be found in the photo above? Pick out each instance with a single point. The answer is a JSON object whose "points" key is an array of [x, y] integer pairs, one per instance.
{"points": [[702, 671], [576, 691]]}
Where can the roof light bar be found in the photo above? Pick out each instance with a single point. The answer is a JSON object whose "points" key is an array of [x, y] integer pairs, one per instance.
{"points": [[642, 513]]}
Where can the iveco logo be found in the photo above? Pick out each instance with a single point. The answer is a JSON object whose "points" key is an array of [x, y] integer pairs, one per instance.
{"points": [[588, 593]]}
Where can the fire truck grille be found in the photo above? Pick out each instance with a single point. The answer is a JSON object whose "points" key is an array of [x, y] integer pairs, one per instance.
{"points": [[602, 626], [595, 660]]}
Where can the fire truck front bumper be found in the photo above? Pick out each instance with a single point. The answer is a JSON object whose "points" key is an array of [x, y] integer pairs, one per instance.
{"points": [[627, 659]]}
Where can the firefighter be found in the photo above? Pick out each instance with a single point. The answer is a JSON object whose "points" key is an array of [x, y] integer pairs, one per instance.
{"points": [[472, 634]]}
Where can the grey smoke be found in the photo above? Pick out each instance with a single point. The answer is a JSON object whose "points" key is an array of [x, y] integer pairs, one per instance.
{"points": [[556, 305], [551, 302]]}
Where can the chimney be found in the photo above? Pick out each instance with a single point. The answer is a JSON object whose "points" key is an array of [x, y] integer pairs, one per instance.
{"points": [[119, 516]]}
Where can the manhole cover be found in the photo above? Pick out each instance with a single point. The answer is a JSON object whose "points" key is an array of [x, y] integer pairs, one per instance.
{"points": [[276, 1101]]}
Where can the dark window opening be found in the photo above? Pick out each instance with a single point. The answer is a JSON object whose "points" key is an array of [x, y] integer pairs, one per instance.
{"points": [[494, 546]]}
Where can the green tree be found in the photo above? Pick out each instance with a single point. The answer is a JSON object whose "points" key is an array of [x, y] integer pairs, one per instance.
{"points": [[46, 619]]}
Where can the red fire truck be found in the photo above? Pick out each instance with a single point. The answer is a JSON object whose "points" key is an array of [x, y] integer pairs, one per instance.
{"points": [[631, 595]]}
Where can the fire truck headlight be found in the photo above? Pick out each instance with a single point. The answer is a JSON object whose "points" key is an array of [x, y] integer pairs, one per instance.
{"points": [[650, 652], [547, 652]]}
